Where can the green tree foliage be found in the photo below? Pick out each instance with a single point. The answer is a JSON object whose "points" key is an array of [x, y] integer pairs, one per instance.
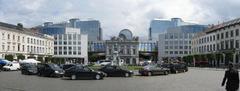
{"points": [[9, 57], [20, 57]]}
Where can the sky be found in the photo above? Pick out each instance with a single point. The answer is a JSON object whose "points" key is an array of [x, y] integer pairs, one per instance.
{"points": [[116, 15]]}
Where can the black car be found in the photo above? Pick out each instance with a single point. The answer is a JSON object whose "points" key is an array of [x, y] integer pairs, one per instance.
{"points": [[50, 70], [83, 72], [116, 71], [150, 70], [176, 67], [66, 66], [29, 69]]}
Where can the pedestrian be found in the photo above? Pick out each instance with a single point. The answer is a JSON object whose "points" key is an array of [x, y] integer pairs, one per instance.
{"points": [[232, 77]]}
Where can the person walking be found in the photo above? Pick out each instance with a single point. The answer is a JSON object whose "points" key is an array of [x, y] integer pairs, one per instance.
{"points": [[232, 77]]}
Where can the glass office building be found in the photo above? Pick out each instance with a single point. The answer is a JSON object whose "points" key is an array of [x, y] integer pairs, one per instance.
{"points": [[158, 26], [52, 30], [90, 27], [176, 42]]}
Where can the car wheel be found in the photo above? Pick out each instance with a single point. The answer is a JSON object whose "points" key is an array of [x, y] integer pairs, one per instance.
{"points": [[127, 75], [149, 73], [73, 77], [97, 77]]}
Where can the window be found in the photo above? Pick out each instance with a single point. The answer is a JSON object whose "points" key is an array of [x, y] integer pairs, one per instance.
{"points": [[217, 36], [166, 37], [166, 52], [60, 42], [180, 47], [176, 47], [166, 42], [226, 34], [175, 52], [180, 42], [237, 44], [180, 52], [55, 48], [13, 37], [74, 36], [222, 35], [231, 44], [69, 37], [69, 42], [226, 44], [175, 42], [55, 42], [185, 36], [185, 52], [175, 36], [3, 37], [237, 32], [8, 36], [3, 47], [222, 45], [65, 53], [185, 47], [18, 39], [65, 37], [166, 47], [232, 33], [134, 51], [210, 38], [74, 43]]}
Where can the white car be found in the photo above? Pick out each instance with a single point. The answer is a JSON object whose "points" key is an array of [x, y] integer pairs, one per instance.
{"points": [[11, 66]]}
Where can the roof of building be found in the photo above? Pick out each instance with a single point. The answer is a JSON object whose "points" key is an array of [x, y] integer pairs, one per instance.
{"points": [[223, 25], [15, 28]]}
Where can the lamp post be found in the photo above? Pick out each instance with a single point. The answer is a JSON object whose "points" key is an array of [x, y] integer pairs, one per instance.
{"points": [[115, 55]]}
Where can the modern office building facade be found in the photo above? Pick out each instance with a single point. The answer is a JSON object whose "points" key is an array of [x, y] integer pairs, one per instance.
{"points": [[90, 27], [70, 45], [176, 42], [16, 40], [126, 47], [219, 41], [158, 26]]}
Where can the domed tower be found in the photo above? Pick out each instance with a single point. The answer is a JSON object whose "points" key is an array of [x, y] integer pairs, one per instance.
{"points": [[125, 34]]}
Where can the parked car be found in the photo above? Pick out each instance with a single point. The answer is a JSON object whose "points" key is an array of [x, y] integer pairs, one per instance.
{"points": [[176, 67], [83, 72], [105, 63], [29, 69], [11, 66], [116, 71], [150, 70], [49, 70], [66, 66]]}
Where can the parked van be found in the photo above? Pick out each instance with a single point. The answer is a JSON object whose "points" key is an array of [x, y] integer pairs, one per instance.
{"points": [[11, 66]]}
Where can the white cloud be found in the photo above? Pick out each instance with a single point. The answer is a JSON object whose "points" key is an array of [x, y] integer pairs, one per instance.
{"points": [[117, 14]]}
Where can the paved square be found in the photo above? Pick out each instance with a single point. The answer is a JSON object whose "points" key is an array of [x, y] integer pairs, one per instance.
{"points": [[195, 80]]}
